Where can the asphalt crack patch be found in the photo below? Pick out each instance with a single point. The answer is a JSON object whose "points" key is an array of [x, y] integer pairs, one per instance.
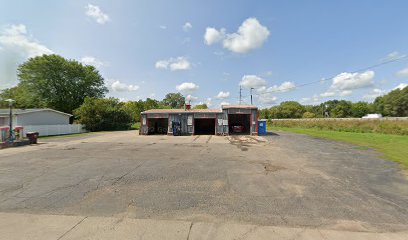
{"points": [[69, 230], [189, 231]]}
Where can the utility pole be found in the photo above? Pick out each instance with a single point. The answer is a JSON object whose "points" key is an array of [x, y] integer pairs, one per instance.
{"points": [[251, 94], [10, 101], [240, 94]]}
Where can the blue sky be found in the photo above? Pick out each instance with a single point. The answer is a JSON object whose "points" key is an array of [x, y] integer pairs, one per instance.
{"points": [[206, 49]]}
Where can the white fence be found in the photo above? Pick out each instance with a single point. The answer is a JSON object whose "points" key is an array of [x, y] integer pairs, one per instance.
{"points": [[48, 130]]}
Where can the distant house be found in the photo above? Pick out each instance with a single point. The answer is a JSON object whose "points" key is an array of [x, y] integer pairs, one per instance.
{"points": [[35, 116]]}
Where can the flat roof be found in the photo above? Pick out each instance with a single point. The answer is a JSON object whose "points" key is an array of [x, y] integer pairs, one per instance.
{"points": [[183, 111], [238, 106], [244, 106], [18, 111]]}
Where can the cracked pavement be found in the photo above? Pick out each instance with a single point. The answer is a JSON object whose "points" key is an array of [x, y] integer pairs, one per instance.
{"points": [[282, 179]]}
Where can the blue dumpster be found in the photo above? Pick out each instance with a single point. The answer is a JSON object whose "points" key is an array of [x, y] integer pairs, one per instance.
{"points": [[262, 127]]}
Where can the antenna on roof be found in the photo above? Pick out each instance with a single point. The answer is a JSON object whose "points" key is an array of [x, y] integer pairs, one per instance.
{"points": [[251, 94], [240, 94]]}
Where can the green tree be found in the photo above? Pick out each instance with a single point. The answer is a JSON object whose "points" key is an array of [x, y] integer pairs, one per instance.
{"points": [[153, 104], [99, 114], [394, 104], [264, 113], [134, 108], [55, 82], [290, 109], [341, 110], [315, 109], [23, 97], [274, 112], [174, 100], [201, 106], [359, 109]]}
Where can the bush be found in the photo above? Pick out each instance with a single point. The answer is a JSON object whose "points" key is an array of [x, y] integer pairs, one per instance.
{"points": [[399, 127], [103, 114], [308, 115]]}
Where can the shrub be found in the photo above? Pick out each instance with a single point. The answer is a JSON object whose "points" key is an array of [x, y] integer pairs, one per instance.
{"points": [[308, 115], [103, 114]]}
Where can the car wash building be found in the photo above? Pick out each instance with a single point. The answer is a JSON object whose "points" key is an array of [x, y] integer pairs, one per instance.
{"points": [[230, 119]]}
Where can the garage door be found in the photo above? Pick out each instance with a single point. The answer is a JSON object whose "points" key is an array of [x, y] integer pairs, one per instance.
{"points": [[239, 123], [158, 125], [204, 126]]}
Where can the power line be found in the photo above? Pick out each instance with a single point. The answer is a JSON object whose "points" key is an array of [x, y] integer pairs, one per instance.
{"points": [[331, 78]]}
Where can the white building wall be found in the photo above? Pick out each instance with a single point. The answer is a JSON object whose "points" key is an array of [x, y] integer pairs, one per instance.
{"points": [[42, 118], [3, 121]]}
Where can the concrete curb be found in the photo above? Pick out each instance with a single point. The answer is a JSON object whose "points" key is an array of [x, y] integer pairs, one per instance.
{"points": [[16, 226]]}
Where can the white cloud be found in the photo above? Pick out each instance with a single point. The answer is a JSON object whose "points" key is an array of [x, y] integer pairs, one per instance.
{"points": [[187, 26], [373, 94], [402, 72], [401, 86], [163, 27], [250, 35], [118, 86], [212, 35], [208, 101], [187, 87], [223, 95], [267, 98], [315, 100], [344, 83], [15, 38], [284, 87], [191, 98], [224, 103], [89, 60], [96, 13], [252, 81], [346, 93], [393, 56], [16, 45], [328, 94], [179, 63]]}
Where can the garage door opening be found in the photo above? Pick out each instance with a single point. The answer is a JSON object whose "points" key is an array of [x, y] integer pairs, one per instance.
{"points": [[204, 126], [239, 123], [158, 125]]}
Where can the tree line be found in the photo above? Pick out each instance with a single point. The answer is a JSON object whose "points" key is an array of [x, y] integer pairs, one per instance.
{"points": [[393, 104], [51, 81]]}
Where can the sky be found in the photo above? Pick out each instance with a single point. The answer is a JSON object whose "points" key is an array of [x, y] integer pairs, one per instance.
{"points": [[306, 51]]}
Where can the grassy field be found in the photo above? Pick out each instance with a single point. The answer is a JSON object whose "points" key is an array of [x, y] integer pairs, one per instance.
{"points": [[398, 127], [393, 147]]}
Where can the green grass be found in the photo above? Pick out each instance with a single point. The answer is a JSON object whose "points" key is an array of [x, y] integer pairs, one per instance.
{"points": [[135, 126], [393, 147], [397, 127]]}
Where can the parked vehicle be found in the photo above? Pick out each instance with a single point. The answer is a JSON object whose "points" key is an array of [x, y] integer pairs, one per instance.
{"points": [[237, 128]]}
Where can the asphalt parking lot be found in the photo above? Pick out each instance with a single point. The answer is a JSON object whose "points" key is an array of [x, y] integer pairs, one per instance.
{"points": [[282, 179]]}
